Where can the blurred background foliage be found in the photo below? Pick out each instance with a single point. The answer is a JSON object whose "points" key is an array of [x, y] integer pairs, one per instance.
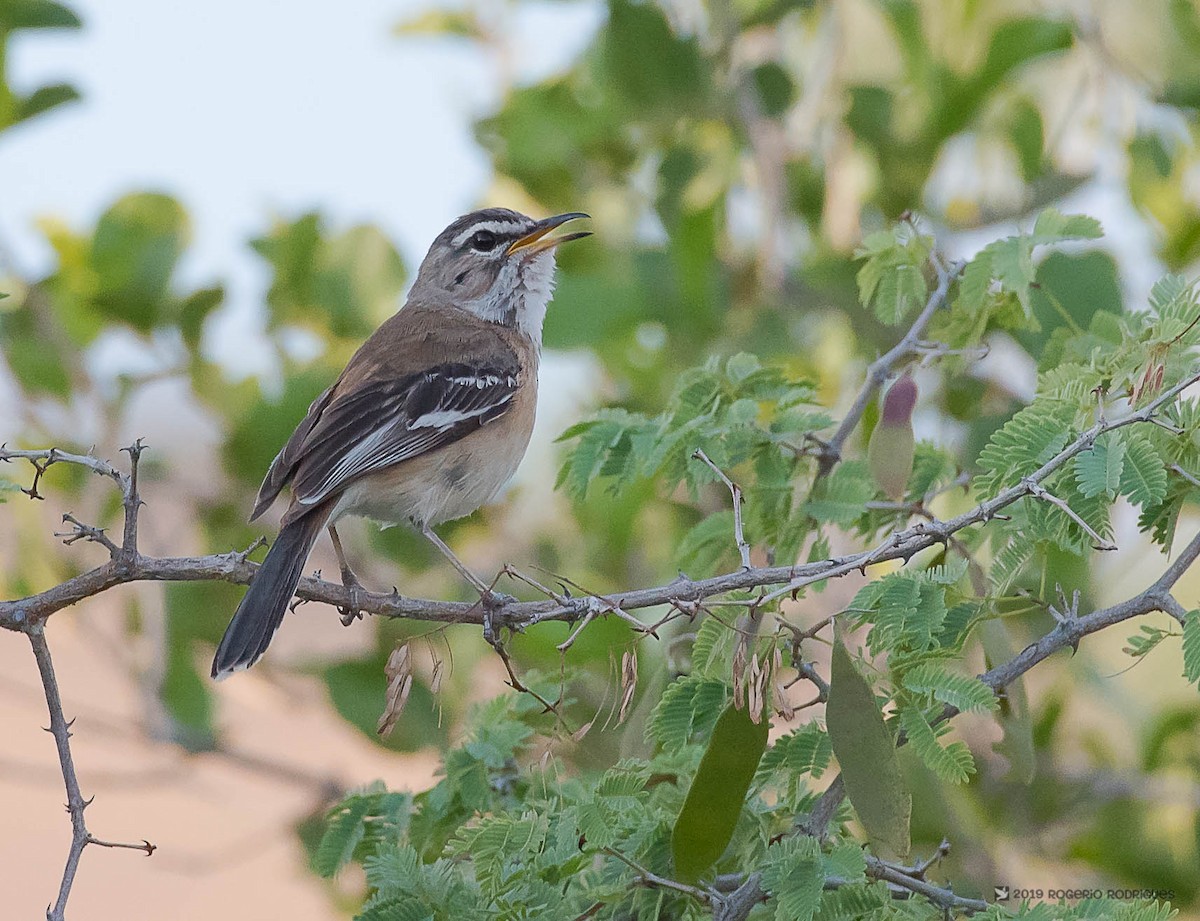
{"points": [[734, 155]]}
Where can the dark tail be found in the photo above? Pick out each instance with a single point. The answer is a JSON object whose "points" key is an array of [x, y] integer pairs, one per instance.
{"points": [[263, 606]]}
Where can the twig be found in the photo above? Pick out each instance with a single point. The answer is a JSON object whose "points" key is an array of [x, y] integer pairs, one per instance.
{"points": [[649, 878], [881, 367], [1191, 478], [736, 492], [60, 728], [746, 892], [81, 531], [131, 500], [808, 670], [1039, 492], [919, 871], [943, 898], [737, 905]]}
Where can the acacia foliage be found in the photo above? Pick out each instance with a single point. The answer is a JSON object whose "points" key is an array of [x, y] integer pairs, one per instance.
{"points": [[507, 834]]}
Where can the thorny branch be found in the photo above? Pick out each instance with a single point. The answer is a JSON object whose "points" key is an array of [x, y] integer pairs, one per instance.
{"points": [[60, 728], [736, 895], [681, 593]]}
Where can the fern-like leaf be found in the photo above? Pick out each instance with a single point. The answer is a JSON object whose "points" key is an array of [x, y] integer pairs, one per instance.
{"points": [[1098, 472], [795, 878], [1023, 444], [342, 835], [952, 763], [964, 693], [1144, 476], [1191, 646], [688, 705], [805, 751]]}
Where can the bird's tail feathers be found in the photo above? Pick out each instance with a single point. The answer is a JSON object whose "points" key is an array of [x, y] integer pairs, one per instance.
{"points": [[264, 604]]}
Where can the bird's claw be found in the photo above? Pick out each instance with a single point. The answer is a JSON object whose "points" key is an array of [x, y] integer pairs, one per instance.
{"points": [[353, 611]]}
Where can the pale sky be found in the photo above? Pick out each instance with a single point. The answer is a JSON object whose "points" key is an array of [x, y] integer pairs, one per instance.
{"points": [[244, 109]]}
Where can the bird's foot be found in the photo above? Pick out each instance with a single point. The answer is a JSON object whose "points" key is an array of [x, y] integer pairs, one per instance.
{"points": [[353, 611], [493, 603]]}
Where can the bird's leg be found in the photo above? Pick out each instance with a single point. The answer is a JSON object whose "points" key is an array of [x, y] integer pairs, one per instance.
{"points": [[349, 580], [491, 598]]}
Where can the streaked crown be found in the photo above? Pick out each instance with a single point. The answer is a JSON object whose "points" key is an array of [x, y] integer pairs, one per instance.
{"points": [[496, 263]]}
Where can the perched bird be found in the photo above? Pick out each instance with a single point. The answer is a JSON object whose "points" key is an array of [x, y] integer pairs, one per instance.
{"points": [[428, 420]]}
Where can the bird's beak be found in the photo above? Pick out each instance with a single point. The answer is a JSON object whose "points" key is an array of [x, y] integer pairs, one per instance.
{"points": [[537, 240]]}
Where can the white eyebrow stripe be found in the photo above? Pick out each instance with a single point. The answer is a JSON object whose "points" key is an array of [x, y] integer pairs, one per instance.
{"points": [[494, 226]]}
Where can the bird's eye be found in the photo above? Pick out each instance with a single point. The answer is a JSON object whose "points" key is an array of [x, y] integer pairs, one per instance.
{"points": [[483, 241]]}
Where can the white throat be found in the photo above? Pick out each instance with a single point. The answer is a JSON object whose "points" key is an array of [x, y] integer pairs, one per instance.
{"points": [[520, 295]]}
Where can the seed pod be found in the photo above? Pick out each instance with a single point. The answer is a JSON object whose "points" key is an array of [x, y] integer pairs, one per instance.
{"points": [[890, 451]]}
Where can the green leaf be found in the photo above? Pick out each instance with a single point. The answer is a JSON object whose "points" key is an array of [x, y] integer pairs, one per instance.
{"points": [[344, 284], [854, 903], [194, 310], [907, 611], [846, 862], [1023, 444], [43, 99], [137, 244], [806, 750], [1053, 227], [36, 14], [718, 792], [1099, 471], [842, 497], [342, 835], [959, 691], [952, 763], [706, 543], [688, 705], [1008, 564], [40, 364], [652, 66], [775, 89], [975, 281], [866, 753], [794, 875], [1191, 646], [1145, 641], [1144, 476], [712, 649], [891, 279], [1018, 41], [395, 908], [1012, 267]]}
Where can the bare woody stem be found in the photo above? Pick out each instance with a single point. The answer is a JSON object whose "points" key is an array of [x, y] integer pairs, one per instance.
{"points": [[735, 492], [60, 728]]}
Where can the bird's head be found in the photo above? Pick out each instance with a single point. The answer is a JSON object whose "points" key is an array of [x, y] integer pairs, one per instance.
{"points": [[498, 264]]}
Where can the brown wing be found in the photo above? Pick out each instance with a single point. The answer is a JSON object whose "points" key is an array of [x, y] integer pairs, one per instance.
{"points": [[383, 411]]}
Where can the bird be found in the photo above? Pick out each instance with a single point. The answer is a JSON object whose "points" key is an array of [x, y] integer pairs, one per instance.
{"points": [[427, 422]]}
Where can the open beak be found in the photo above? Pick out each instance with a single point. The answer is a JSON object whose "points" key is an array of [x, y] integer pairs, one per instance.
{"points": [[538, 240]]}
